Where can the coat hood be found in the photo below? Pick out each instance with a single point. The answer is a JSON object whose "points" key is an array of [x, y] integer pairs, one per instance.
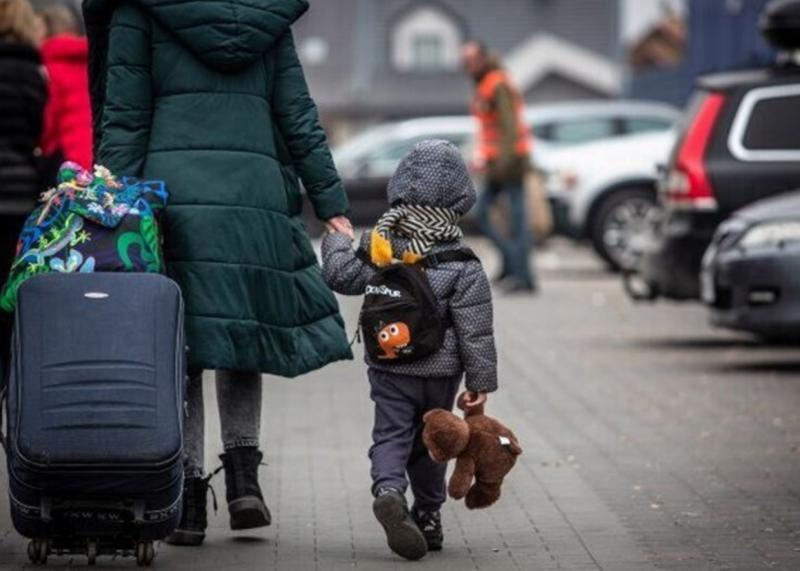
{"points": [[433, 173], [227, 35], [65, 48]]}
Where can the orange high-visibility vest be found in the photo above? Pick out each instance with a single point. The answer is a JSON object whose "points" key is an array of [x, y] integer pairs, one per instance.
{"points": [[488, 145]]}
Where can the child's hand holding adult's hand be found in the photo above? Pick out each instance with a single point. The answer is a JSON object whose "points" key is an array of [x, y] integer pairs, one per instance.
{"points": [[341, 224], [474, 400]]}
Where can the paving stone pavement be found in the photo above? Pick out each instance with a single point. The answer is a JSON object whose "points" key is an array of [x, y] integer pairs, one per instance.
{"points": [[651, 442]]}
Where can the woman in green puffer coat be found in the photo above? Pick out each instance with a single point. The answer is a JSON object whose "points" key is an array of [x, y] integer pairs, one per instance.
{"points": [[209, 95]]}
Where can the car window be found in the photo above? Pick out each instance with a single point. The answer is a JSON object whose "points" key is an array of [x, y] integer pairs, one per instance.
{"points": [[774, 124], [767, 126], [384, 160], [582, 131], [542, 131], [393, 151], [358, 146], [645, 124], [460, 140]]}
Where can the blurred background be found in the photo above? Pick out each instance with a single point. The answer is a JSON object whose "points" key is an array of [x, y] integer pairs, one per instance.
{"points": [[370, 62], [653, 121]]}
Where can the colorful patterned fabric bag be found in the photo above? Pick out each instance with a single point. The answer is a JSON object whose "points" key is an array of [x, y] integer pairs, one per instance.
{"points": [[91, 222]]}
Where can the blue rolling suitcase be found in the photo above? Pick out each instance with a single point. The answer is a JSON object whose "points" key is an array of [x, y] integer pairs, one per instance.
{"points": [[95, 402]]}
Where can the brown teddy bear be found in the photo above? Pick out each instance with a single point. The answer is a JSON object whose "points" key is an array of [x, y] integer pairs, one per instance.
{"points": [[485, 449]]}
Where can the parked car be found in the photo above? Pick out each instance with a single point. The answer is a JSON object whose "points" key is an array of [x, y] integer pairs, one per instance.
{"points": [[608, 189], [566, 124], [740, 143], [367, 161], [750, 275]]}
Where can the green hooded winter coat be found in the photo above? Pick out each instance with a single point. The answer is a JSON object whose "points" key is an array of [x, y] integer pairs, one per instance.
{"points": [[209, 96]]}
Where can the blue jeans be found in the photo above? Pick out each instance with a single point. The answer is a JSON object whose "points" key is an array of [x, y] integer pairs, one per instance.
{"points": [[517, 248]]}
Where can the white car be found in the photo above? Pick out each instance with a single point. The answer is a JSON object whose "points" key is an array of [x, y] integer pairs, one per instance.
{"points": [[608, 189], [368, 160], [559, 125]]}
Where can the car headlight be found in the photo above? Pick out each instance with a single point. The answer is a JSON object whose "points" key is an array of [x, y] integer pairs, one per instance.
{"points": [[730, 233], [771, 234]]}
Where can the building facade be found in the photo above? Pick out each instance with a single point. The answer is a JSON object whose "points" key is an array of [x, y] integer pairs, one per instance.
{"points": [[722, 35], [375, 60]]}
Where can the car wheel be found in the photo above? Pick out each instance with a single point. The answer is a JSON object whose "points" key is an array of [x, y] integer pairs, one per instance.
{"points": [[620, 225]]}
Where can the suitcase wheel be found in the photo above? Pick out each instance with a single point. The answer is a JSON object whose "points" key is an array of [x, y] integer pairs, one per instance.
{"points": [[145, 553], [38, 550]]}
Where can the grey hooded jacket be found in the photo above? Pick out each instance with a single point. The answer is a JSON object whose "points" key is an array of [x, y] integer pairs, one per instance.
{"points": [[433, 174]]}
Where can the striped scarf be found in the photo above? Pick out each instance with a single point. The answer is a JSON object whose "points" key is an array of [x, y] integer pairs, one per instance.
{"points": [[422, 225]]}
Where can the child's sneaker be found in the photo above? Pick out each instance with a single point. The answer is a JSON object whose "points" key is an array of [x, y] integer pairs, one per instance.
{"points": [[430, 522], [402, 533]]}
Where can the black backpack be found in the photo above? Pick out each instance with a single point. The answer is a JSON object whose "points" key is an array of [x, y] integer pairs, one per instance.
{"points": [[400, 319]]}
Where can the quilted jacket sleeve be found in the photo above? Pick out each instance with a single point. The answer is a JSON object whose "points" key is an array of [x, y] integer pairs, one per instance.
{"points": [[128, 108], [472, 315], [298, 122], [343, 271]]}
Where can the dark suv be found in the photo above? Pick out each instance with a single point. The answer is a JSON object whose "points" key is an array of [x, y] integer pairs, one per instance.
{"points": [[740, 142]]}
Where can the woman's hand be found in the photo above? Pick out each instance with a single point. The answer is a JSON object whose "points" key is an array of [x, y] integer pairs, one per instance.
{"points": [[474, 400], [341, 224]]}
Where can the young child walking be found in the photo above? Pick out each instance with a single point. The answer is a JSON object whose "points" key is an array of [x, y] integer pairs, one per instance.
{"points": [[427, 195]]}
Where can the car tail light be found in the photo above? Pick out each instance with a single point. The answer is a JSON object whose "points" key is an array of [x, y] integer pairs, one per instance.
{"points": [[687, 184]]}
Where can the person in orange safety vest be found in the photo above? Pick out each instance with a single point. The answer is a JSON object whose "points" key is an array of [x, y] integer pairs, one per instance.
{"points": [[502, 153]]}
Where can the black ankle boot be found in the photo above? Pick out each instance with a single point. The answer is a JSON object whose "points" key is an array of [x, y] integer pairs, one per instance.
{"points": [[245, 501], [192, 528], [402, 533], [430, 522]]}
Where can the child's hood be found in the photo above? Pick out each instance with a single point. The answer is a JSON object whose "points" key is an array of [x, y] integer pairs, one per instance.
{"points": [[227, 35], [433, 173]]}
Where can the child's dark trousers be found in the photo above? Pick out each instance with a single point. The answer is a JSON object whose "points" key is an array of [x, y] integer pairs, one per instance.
{"points": [[397, 449]]}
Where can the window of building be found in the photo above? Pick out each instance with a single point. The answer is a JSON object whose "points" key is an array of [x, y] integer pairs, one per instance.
{"points": [[426, 39], [428, 52]]}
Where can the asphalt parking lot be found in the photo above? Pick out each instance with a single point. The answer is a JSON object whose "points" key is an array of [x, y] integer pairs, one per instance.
{"points": [[651, 442]]}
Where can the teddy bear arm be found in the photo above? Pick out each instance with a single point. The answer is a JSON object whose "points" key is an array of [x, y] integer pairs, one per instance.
{"points": [[462, 477]]}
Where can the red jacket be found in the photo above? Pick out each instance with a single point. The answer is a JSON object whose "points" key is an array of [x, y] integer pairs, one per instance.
{"points": [[68, 115]]}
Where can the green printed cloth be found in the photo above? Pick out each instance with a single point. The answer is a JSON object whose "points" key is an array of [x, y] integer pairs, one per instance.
{"points": [[90, 222]]}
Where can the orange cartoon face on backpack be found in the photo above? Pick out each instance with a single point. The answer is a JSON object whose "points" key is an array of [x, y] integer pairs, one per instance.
{"points": [[393, 338]]}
